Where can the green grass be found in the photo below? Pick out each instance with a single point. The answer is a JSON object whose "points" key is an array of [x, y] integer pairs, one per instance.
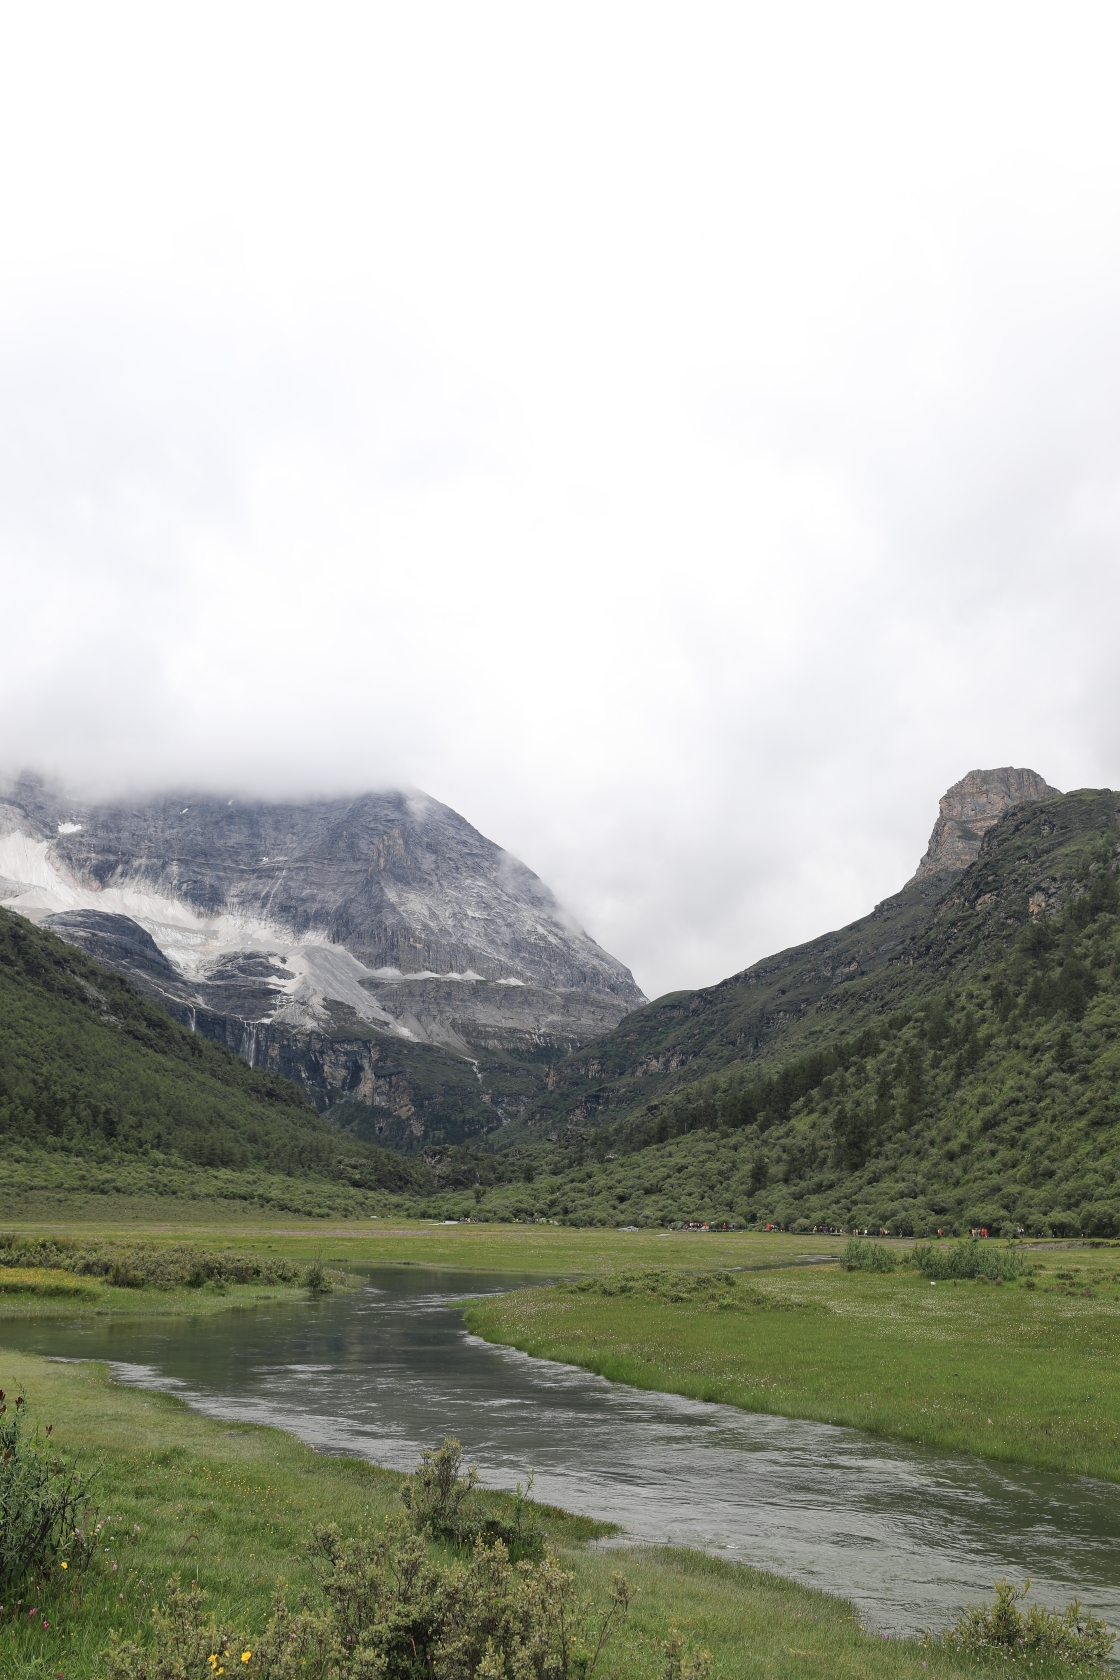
{"points": [[51, 1297], [518, 1251], [1023, 1372], [234, 1504], [41, 1283], [541, 1250]]}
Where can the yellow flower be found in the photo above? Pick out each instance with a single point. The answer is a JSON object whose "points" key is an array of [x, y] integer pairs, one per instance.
{"points": [[65, 1565], [212, 1660], [245, 1655]]}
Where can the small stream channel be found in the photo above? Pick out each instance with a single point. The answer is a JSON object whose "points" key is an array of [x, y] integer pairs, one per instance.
{"points": [[909, 1535]]}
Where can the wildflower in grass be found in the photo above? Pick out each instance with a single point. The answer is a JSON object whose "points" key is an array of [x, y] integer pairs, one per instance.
{"points": [[245, 1655], [65, 1565]]}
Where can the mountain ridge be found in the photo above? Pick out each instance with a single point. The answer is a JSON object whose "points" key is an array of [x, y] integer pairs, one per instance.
{"points": [[787, 998], [965, 1075]]}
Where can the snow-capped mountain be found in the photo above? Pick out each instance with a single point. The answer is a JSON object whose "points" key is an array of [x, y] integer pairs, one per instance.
{"points": [[262, 923]]}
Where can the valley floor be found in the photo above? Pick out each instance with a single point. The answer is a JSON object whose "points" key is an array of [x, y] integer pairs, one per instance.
{"points": [[550, 1251], [787, 1331], [1022, 1371]]}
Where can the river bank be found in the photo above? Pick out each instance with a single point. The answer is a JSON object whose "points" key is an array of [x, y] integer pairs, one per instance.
{"points": [[907, 1534], [1024, 1373], [234, 1504]]}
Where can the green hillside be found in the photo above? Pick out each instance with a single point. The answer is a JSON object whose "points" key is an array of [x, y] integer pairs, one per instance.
{"points": [[813, 995], [778, 1007], [966, 1075], [93, 1076]]}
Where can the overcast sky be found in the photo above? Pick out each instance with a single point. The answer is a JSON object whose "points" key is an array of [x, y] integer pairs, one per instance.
{"points": [[684, 439]]}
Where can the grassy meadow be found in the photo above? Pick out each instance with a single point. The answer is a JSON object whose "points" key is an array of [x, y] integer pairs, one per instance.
{"points": [[1023, 1371], [546, 1251], [233, 1505]]}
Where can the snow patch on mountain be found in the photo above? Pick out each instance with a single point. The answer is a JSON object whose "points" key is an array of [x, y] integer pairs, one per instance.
{"points": [[37, 887], [387, 908]]}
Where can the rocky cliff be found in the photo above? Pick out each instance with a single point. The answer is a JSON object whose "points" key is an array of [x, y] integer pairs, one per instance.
{"points": [[327, 938], [969, 809]]}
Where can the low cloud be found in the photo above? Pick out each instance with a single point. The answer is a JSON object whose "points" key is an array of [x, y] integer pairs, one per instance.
{"points": [[685, 460]]}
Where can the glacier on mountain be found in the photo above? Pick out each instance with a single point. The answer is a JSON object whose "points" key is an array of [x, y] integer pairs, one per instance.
{"points": [[389, 911]]}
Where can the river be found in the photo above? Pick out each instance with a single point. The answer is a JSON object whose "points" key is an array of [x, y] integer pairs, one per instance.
{"points": [[909, 1535]]}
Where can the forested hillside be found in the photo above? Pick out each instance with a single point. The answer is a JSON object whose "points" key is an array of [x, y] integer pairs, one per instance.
{"points": [[92, 1071], [816, 995], [970, 1079]]}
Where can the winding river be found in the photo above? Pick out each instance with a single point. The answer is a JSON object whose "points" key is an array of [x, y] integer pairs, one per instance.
{"points": [[907, 1534]]}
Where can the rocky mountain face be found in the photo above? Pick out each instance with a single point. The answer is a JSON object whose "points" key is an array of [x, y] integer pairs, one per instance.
{"points": [[969, 809], [379, 949], [788, 1002]]}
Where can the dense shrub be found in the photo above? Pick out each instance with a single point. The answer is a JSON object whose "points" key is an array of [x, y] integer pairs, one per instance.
{"points": [[1002, 1630], [45, 1515], [863, 1256], [185, 1641], [1101, 1219], [703, 1289], [390, 1609], [138, 1265], [439, 1503], [316, 1280], [970, 1259], [436, 1496], [680, 1663]]}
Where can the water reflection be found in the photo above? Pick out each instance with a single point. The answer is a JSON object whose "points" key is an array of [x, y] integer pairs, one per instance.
{"points": [[909, 1535]]}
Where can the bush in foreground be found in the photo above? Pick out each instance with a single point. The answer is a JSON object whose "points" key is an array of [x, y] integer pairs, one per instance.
{"points": [[392, 1611], [45, 1515], [1000, 1629], [391, 1606]]}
